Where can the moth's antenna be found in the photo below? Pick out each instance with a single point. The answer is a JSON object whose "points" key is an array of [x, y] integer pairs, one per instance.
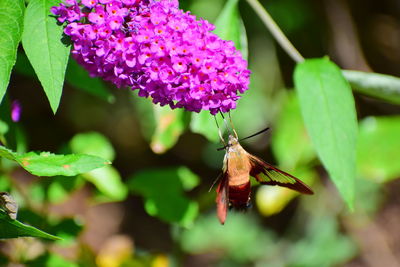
{"points": [[233, 127], [219, 131], [257, 133]]}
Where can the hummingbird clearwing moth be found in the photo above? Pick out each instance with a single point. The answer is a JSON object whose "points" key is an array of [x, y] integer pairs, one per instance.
{"points": [[234, 187]]}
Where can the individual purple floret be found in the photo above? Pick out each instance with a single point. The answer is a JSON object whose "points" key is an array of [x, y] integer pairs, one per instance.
{"points": [[158, 49]]}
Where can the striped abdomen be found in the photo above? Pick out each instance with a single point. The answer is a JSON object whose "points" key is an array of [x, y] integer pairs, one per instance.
{"points": [[239, 196]]}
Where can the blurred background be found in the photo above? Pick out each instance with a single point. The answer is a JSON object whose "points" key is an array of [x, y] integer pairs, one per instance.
{"points": [[153, 207]]}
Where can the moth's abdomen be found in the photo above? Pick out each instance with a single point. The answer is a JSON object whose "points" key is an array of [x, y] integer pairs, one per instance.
{"points": [[239, 196]]}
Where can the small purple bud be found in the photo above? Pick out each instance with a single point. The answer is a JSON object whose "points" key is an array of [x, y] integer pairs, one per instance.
{"points": [[16, 110]]}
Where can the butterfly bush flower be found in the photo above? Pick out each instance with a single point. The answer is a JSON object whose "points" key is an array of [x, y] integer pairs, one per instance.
{"points": [[158, 49]]}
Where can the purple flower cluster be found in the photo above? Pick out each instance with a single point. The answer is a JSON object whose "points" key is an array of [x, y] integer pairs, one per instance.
{"points": [[155, 47]]}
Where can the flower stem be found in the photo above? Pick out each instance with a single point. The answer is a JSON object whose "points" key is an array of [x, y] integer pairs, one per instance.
{"points": [[276, 31]]}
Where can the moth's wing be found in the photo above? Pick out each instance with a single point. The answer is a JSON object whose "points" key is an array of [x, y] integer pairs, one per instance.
{"points": [[270, 175], [222, 198]]}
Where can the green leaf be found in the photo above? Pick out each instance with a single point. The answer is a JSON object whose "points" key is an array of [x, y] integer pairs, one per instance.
{"points": [[48, 164], [68, 229], [204, 123], [161, 125], [241, 238], [37, 193], [170, 126], [377, 85], [78, 77], [378, 146], [42, 43], [108, 181], [11, 23], [144, 110], [5, 182], [290, 142], [163, 190], [323, 245], [92, 143], [3, 128], [50, 260], [229, 26], [328, 109], [6, 153], [10, 228], [261, 104], [60, 187]]}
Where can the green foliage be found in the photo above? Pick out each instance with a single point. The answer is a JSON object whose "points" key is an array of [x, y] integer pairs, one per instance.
{"points": [[11, 23], [235, 239], [75, 75], [48, 164], [78, 77], [60, 188], [162, 126], [50, 260], [291, 15], [290, 142], [257, 109], [41, 40], [92, 143], [4, 183], [163, 190], [229, 26], [144, 109], [107, 180], [3, 130], [10, 228], [328, 110], [203, 123], [378, 147], [294, 153], [377, 85], [322, 246], [170, 126], [67, 229]]}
